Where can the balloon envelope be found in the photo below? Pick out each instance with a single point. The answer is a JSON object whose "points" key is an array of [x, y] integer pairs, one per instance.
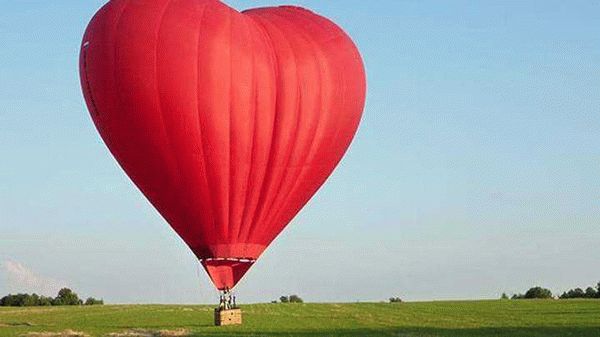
{"points": [[227, 122]]}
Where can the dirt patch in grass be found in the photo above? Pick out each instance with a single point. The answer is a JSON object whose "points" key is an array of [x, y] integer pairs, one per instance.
{"points": [[66, 333], [12, 325], [174, 333], [151, 333]]}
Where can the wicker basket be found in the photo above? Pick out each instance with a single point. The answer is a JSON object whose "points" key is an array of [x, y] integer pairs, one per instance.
{"points": [[228, 317]]}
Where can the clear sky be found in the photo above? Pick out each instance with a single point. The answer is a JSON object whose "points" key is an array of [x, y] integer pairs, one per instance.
{"points": [[476, 169]]}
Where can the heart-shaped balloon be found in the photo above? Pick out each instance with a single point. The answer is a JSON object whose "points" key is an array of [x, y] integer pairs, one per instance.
{"points": [[228, 122]]}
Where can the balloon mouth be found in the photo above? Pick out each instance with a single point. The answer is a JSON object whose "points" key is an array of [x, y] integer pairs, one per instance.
{"points": [[226, 264], [231, 259], [225, 273]]}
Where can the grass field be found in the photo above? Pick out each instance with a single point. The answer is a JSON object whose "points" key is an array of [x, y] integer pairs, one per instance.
{"points": [[464, 319]]}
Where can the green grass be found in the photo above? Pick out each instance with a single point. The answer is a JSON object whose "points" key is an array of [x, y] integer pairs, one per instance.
{"points": [[461, 319]]}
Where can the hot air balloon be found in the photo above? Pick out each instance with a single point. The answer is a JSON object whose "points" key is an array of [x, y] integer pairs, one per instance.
{"points": [[228, 122]]}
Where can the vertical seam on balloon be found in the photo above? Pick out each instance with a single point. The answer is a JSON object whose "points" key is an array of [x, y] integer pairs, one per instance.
{"points": [[165, 132], [266, 218], [343, 86], [249, 214], [266, 211], [252, 137], [337, 125], [343, 94], [202, 145], [229, 176], [344, 81], [268, 172], [316, 52], [116, 28], [115, 63], [342, 77], [270, 218]]}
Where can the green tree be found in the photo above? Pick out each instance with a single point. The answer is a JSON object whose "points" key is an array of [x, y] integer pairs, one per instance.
{"points": [[45, 301], [538, 293], [7, 301], [20, 300], [31, 300], [93, 301], [504, 296], [295, 299], [576, 293], [284, 299], [590, 292], [66, 296]]}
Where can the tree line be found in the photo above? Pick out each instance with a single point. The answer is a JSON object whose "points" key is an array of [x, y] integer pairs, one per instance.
{"points": [[289, 299], [543, 293], [65, 296], [589, 292]]}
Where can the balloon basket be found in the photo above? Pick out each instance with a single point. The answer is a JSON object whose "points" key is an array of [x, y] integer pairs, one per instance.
{"points": [[224, 317]]}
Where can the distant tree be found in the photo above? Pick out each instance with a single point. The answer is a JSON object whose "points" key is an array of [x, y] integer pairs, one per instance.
{"points": [[93, 301], [395, 300], [284, 299], [31, 300], [573, 293], [66, 296], [45, 301], [17, 300], [20, 300], [8, 301], [590, 292], [504, 296], [517, 297], [534, 293], [538, 293], [577, 293], [295, 299]]}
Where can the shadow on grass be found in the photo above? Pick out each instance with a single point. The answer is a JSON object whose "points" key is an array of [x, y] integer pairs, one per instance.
{"points": [[421, 332]]}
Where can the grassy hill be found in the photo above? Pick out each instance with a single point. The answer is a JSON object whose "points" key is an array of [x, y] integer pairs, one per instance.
{"points": [[460, 319]]}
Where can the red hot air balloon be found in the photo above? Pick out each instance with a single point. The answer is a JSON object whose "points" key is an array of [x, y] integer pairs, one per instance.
{"points": [[228, 122]]}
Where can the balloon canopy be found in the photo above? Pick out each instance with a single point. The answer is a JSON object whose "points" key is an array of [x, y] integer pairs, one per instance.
{"points": [[227, 122]]}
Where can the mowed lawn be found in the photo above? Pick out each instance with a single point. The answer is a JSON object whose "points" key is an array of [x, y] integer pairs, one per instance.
{"points": [[465, 319]]}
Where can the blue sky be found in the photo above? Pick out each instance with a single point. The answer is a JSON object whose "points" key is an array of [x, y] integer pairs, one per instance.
{"points": [[476, 169]]}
